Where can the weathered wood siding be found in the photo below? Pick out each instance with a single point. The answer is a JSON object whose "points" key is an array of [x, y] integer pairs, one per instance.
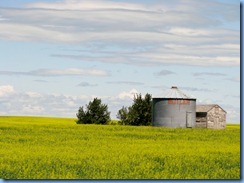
{"points": [[216, 118]]}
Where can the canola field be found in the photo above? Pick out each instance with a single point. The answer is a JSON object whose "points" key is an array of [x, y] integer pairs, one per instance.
{"points": [[58, 148]]}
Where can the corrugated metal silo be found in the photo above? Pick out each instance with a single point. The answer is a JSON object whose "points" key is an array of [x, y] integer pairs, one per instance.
{"points": [[176, 110]]}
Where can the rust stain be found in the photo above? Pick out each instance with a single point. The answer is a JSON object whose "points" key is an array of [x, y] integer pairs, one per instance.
{"points": [[184, 102]]}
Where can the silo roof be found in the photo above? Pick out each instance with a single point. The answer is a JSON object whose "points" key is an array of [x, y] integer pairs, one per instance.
{"points": [[175, 93]]}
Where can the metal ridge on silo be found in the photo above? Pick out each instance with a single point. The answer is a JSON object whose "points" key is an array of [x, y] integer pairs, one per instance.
{"points": [[175, 93]]}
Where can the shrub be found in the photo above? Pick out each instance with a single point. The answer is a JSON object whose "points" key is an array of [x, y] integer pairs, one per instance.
{"points": [[140, 113], [95, 113], [123, 116]]}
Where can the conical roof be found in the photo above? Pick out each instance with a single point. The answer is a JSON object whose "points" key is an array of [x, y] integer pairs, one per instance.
{"points": [[175, 93]]}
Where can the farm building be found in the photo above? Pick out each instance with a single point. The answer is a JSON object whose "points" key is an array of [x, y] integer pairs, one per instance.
{"points": [[175, 109], [210, 116]]}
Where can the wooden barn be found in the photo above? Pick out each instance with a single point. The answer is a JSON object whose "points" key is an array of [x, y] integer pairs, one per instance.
{"points": [[210, 116]]}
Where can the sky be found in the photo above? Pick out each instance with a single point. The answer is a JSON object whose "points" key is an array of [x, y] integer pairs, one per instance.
{"points": [[56, 56]]}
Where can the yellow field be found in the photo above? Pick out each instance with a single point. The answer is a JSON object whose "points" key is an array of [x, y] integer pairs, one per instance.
{"points": [[58, 148]]}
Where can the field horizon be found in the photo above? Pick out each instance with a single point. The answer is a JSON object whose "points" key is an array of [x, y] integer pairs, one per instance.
{"points": [[75, 118], [36, 147]]}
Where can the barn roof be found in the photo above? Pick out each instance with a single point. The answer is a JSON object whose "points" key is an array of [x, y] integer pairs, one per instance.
{"points": [[206, 107], [175, 93]]}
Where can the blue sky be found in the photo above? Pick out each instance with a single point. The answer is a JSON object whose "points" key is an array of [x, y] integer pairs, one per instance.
{"points": [[57, 55]]}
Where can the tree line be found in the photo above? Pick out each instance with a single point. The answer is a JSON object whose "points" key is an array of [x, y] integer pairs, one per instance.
{"points": [[138, 114]]}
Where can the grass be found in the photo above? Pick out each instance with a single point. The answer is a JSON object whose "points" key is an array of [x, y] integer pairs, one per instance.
{"points": [[58, 148]]}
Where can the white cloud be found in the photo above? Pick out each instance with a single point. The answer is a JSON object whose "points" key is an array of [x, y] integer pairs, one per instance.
{"points": [[189, 32], [206, 101], [125, 82], [209, 74], [34, 103], [198, 90], [30, 109], [34, 94], [177, 32], [234, 79], [226, 11], [6, 89], [129, 94], [158, 58], [69, 72], [233, 115], [59, 72], [86, 5], [2, 19], [22, 32]]}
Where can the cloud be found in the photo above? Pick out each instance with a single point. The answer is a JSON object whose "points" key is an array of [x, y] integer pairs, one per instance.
{"points": [[164, 73], [226, 10], [125, 82], [209, 74], [6, 89], [30, 109], [86, 5], [40, 81], [233, 113], [157, 58], [162, 87], [2, 19], [197, 89], [234, 79], [189, 32], [233, 96], [33, 95], [59, 72], [55, 104], [86, 84], [34, 103], [69, 72], [173, 32], [129, 94]]}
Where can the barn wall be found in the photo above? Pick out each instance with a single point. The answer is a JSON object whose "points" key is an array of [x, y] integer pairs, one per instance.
{"points": [[216, 118]]}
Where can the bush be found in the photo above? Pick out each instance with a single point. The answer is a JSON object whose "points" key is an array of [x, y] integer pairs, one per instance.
{"points": [[123, 116], [95, 113], [140, 113]]}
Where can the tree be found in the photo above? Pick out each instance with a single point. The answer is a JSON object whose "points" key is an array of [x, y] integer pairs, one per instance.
{"points": [[95, 113], [140, 113], [123, 115]]}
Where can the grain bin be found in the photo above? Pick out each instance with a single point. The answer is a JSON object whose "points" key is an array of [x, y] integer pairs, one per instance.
{"points": [[175, 109]]}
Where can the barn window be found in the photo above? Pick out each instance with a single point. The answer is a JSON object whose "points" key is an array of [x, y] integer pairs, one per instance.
{"points": [[201, 114]]}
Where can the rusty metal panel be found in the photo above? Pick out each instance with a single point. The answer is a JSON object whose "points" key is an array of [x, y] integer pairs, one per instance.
{"points": [[175, 101]]}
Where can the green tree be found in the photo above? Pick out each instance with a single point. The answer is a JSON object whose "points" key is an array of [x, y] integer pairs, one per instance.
{"points": [[140, 113], [123, 115], [95, 113]]}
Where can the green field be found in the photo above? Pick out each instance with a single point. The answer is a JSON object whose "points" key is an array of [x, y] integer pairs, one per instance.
{"points": [[58, 148]]}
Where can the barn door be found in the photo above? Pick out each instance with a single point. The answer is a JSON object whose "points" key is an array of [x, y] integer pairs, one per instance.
{"points": [[217, 124], [189, 119]]}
